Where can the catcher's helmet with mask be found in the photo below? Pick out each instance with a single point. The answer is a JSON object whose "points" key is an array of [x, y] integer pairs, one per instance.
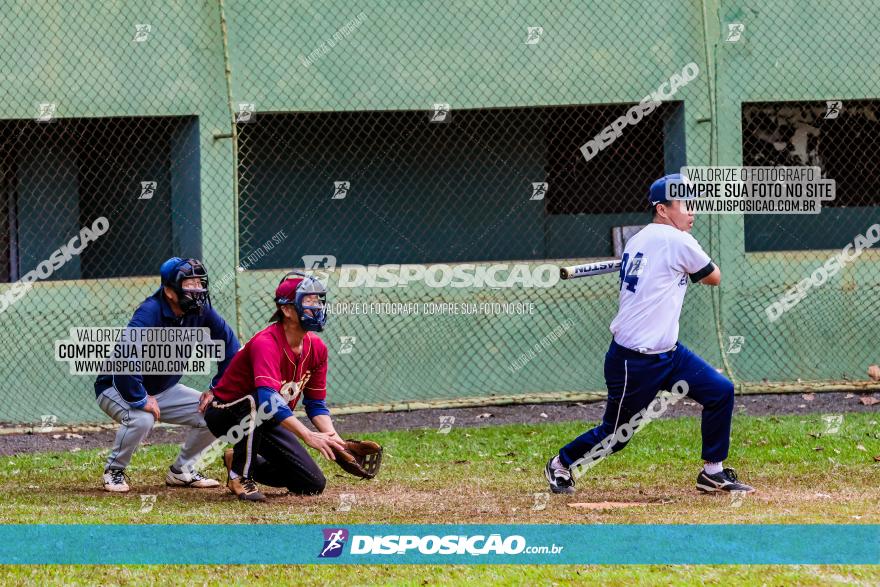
{"points": [[294, 287]]}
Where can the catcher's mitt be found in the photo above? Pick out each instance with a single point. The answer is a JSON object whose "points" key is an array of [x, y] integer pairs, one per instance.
{"points": [[362, 458]]}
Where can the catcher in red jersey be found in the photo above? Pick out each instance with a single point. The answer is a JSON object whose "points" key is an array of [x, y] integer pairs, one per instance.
{"points": [[252, 405]]}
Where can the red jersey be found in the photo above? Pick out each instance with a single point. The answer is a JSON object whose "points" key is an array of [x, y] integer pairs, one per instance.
{"points": [[267, 360]]}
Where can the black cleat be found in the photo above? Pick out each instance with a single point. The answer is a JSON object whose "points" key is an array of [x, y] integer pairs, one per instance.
{"points": [[724, 481], [559, 477]]}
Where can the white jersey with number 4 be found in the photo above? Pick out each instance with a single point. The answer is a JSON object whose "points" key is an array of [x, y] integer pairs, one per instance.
{"points": [[653, 280]]}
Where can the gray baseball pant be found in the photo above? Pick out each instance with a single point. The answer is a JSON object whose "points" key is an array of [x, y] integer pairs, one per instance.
{"points": [[178, 404]]}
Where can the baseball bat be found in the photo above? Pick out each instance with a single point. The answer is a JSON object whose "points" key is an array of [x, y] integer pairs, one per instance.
{"points": [[597, 268]]}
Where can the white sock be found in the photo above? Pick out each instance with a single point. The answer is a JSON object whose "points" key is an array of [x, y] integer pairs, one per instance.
{"points": [[713, 468], [556, 463], [233, 474]]}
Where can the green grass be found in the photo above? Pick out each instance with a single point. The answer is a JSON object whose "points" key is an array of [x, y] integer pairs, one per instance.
{"points": [[487, 475]]}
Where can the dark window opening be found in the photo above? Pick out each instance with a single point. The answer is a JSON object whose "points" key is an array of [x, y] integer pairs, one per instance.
{"points": [[617, 178], [462, 190], [842, 139], [142, 174]]}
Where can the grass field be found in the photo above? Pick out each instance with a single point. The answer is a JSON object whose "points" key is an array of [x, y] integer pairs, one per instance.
{"points": [[488, 475]]}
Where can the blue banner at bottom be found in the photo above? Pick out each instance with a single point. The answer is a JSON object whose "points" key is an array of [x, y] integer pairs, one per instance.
{"points": [[440, 544]]}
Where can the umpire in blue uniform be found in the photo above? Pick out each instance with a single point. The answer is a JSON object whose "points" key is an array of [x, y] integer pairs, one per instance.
{"points": [[137, 402]]}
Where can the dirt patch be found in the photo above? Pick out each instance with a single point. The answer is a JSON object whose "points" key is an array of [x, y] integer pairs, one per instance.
{"points": [[359, 424], [609, 505]]}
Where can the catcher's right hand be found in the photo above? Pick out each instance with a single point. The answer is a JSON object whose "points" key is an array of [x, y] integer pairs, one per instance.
{"points": [[361, 458]]}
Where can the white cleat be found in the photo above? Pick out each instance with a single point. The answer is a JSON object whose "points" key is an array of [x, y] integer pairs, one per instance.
{"points": [[115, 480], [184, 479]]}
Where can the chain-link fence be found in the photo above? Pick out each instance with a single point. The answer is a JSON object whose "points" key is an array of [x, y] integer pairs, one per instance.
{"points": [[435, 170]]}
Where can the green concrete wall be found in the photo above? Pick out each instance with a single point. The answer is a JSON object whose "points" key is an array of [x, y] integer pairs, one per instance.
{"points": [[409, 56], [797, 50]]}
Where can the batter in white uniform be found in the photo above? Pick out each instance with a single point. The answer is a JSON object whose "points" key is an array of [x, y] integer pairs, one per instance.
{"points": [[645, 356]]}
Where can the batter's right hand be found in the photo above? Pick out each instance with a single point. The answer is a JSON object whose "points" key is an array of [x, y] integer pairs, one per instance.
{"points": [[152, 406]]}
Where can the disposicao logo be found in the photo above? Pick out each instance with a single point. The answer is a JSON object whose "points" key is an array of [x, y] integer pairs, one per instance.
{"points": [[443, 545], [334, 542]]}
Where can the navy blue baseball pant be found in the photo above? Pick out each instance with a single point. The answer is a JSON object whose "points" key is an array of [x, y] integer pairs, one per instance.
{"points": [[272, 455], [634, 380]]}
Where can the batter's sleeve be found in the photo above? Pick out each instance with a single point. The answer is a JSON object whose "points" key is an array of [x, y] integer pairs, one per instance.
{"points": [[689, 257]]}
